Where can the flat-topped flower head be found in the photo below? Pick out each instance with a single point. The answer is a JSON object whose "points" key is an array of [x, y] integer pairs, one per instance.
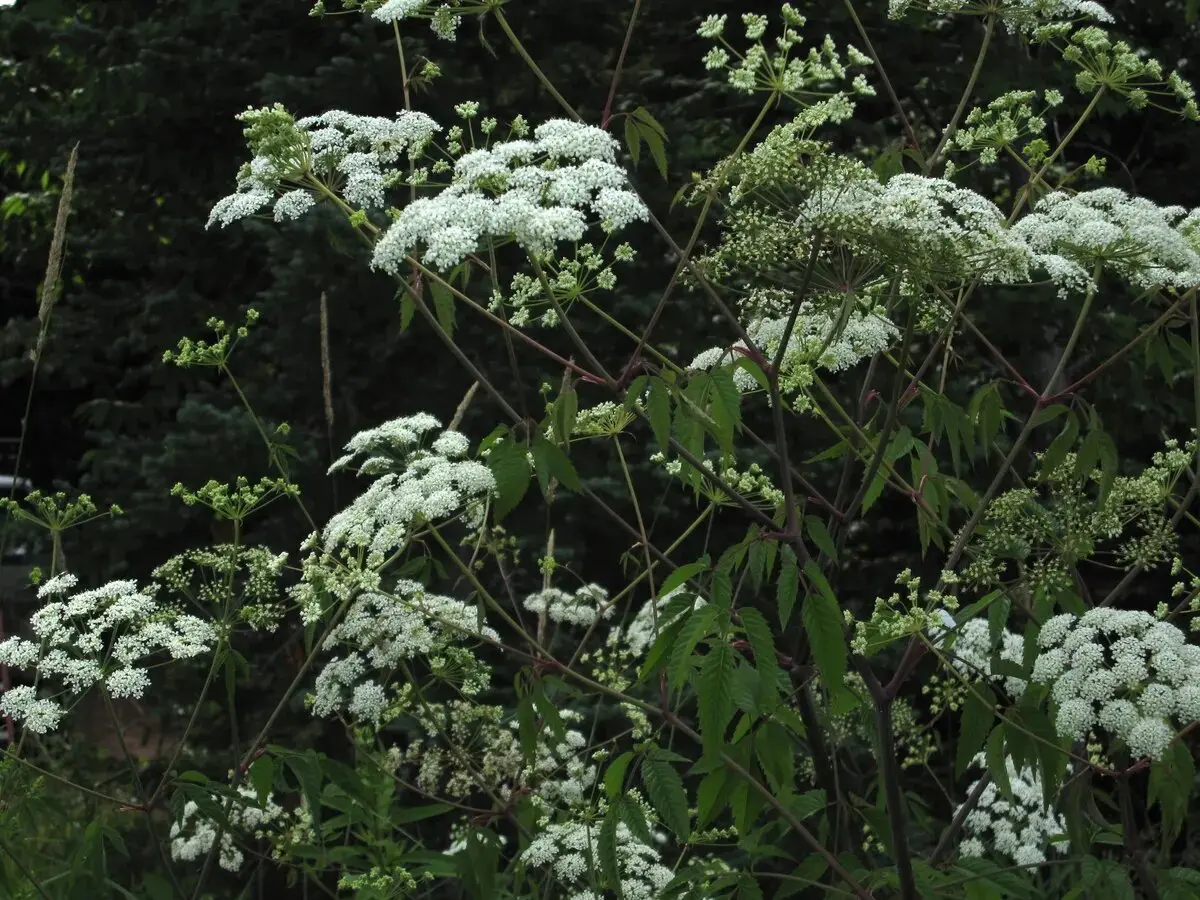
{"points": [[1019, 828], [1018, 15], [1123, 672], [538, 192], [1070, 234], [106, 636], [413, 485], [350, 151]]}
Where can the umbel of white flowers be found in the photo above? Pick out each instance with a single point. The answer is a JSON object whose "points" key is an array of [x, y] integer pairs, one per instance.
{"points": [[538, 192], [567, 850], [107, 636], [1120, 671], [414, 485], [535, 191], [1018, 15], [1019, 827], [380, 631], [192, 835]]}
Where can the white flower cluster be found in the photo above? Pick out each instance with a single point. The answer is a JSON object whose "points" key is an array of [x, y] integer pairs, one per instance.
{"points": [[105, 635], [643, 629], [569, 851], [973, 650], [534, 191], [585, 607], [1018, 15], [1020, 828], [605, 419], [444, 21], [192, 835], [349, 149], [862, 335], [382, 631], [471, 747], [415, 486], [1132, 236], [929, 225], [1122, 671]]}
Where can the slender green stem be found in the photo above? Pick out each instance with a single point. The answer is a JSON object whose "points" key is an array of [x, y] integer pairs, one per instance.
{"points": [[948, 134]]}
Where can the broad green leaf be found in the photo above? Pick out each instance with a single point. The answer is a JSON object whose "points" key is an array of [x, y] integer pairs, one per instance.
{"points": [[633, 140], [1059, 447], [823, 621], [816, 530], [807, 804], [977, 718], [509, 465], [762, 642], [712, 795], [658, 408], [443, 306], [664, 787], [418, 813], [715, 695], [1170, 786], [643, 115], [697, 626], [748, 888], [549, 461], [655, 145], [1049, 414], [726, 406], [607, 844], [262, 777], [996, 760], [776, 757], [662, 647], [614, 775], [407, 308], [566, 408], [788, 585], [682, 574]]}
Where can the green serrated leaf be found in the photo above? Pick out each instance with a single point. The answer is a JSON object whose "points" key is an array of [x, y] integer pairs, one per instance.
{"points": [[823, 622], [509, 465], [664, 787], [443, 305], [820, 536], [658, 408], [762, 642], [262, 777], [977, 718], [643, 115], [776, 757], [566, 408], [712, 795], [549, 461], [726, 406], [407, 309], [633, 140], [614, 775], [1059, 447], [655, 145], [788, 585], [697, 626], [681, 575], [607, 844], [715, 695], [993, 752]]}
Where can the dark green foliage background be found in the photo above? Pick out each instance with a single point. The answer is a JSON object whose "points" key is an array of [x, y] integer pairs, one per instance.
{"points": [[149, 89]]}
